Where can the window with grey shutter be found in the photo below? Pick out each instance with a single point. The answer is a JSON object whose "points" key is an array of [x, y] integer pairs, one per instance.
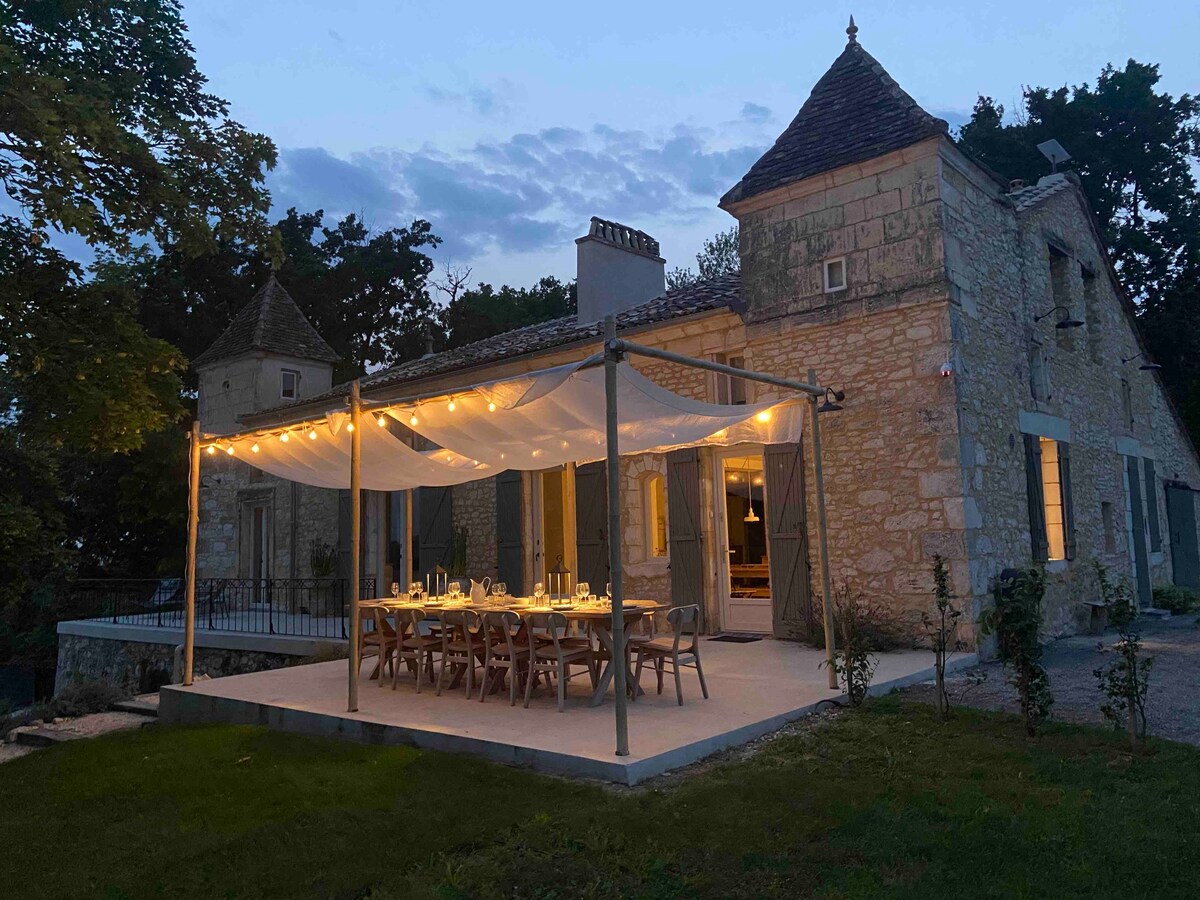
{"points": [[685, 548], [1152, 506], [510, 522], [436, 528], [1035, 494], [1068, 504], [591, 525], [787, 532]]}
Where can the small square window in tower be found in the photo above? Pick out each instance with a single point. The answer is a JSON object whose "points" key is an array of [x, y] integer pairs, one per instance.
{"points": [[835, 274], [289, 384]]}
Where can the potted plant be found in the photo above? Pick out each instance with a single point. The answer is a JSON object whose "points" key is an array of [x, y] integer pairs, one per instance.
{"points": [[326, 591]]}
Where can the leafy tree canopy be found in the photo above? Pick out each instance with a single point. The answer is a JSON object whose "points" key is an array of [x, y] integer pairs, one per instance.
{"points": [[480, 312], [719, 256], [106, 129]]}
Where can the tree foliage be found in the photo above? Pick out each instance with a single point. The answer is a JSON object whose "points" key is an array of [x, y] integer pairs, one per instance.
{"points": [[106, 129], [1016, 621], [719, 256], [483, 311]]}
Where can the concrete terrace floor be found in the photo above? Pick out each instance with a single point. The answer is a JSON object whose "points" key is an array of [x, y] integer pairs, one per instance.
{"points": [[755, 688]]}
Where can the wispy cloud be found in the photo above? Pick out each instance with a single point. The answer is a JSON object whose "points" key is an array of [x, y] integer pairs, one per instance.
{"points": [[489, 102], [531, 191], [752, 112]]}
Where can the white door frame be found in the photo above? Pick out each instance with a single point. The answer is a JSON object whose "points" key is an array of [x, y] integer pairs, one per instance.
{"points": [[754, 615], [537, 506]]}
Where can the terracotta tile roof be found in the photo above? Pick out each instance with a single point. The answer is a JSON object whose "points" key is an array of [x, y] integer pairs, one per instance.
{"points": [[273, 322], [1047, 186], [714, 294], [855, 112]]}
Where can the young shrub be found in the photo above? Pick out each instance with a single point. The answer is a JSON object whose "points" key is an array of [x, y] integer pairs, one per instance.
{"points": [[1175, 599], [942, 628], [1016, 620], [322, 558], [854, 620], [1126, 680]]}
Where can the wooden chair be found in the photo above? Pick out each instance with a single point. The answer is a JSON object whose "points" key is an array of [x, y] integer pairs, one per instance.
{"points": [[382, 637], [463, 646], [553, 657], [415, 648], [507, 649], [680, 650]]}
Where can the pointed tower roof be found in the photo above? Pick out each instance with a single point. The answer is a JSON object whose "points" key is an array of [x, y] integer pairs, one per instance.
{"points": [[270, 322], [855, 112]]}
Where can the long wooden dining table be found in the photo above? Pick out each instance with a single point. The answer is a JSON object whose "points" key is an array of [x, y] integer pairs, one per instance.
{"points": [[599, 618]]}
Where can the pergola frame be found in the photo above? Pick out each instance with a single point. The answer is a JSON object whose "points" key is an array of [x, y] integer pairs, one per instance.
{"points": [[615, 349]]}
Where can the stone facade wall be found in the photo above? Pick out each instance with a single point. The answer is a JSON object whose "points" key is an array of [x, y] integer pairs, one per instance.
{"points": [[140, 667], [1000, 266], [473, 506]]}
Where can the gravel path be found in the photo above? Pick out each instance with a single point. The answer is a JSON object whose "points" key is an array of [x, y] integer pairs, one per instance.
{"points": [[1173, 702]]}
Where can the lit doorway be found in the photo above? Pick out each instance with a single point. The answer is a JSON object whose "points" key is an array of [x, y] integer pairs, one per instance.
{"points": [[744, 573], [553, 521]]}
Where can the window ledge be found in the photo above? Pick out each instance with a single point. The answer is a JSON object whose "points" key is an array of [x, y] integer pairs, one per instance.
{"points": [[1058, 565]]}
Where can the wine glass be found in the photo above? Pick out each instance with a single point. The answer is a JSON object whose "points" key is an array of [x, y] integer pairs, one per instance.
{"points": [[414, 592], [582, 589], [539, 591], [396, 590]]}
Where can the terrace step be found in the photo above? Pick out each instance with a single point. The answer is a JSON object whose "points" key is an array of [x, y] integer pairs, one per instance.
{"points": [[137, 707], [42, 737]]}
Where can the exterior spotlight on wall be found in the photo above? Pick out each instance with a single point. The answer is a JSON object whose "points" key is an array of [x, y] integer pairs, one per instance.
{"points": [[947, 370], [832, 401], [1146, 365], [1065, 322]]}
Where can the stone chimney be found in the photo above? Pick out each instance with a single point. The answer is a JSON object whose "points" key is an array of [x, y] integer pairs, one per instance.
{"points": [[616, 268]]}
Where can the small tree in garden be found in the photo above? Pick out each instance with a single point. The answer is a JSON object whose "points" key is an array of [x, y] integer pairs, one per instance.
{"points": [[1016, 621], [854, 620], [942, 628], [1126, 680], [322, 558]]}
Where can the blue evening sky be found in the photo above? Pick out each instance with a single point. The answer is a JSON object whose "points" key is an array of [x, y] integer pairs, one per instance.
{"points": [[508, 124]]}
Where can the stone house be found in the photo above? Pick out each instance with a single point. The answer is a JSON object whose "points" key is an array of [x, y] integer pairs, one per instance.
{"points": [[873, 250]]}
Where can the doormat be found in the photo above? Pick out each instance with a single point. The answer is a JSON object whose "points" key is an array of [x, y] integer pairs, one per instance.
{"points": [[733, 637]]}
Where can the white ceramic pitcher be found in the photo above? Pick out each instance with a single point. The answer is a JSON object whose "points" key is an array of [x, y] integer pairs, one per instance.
{"points": [[479, 590]]}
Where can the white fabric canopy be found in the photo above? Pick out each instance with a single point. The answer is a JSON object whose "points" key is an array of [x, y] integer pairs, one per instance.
{"points": [[535, 421]]}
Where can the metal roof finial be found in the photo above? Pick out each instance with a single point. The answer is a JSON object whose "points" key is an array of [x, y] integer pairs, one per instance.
{"points": [[852, 31]]}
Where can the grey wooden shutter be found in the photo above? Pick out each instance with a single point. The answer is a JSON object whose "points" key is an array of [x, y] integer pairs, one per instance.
{"points": [[1068, 504], [509, 528], [591, 525], [683, 515], [1141, 564], [1185, 546], [436, 528], [787, 537], [1036, 496], [1152, 506]]}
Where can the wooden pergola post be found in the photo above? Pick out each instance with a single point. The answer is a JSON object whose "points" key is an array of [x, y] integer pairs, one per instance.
{"points": [[189, 575], [355, 541], [822, 535]]}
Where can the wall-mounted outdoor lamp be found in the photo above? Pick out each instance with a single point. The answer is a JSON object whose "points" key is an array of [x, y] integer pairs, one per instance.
{"points": [[1146, 365], [832, 400], [1065, 322]]}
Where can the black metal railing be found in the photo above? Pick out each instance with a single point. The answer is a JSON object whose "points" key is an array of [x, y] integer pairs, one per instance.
{"points": [[302, 607]]}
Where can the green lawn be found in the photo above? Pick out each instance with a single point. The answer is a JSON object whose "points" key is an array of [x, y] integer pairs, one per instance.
{"points": [[885, 802]]}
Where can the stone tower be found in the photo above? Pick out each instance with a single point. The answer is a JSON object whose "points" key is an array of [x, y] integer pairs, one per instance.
{"points": [[254, 525]]}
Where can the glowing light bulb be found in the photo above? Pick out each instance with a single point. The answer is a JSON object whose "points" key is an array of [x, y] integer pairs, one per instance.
{"points": [[491, 407], [763, 416], [312, 434], [349, 426], [381, 421], [254, 448], [450, 406], [211, 449], [284, 437], [229, 449]]}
